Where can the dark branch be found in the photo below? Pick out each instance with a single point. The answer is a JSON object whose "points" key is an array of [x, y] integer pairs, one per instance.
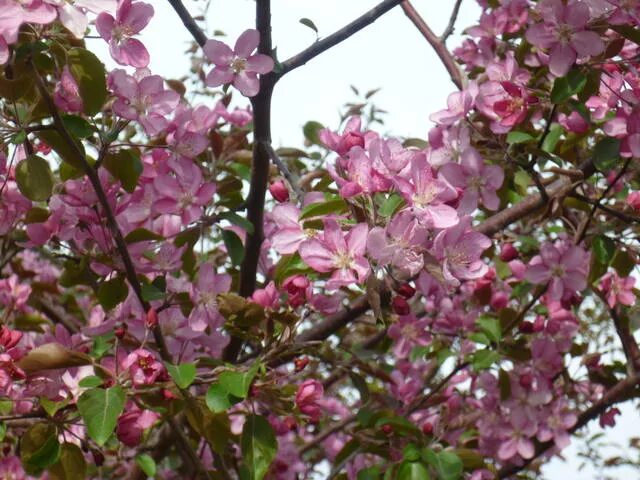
{"points": [[436, 43], [337, 37], [452, 22], [188, 21], [286, 173]]}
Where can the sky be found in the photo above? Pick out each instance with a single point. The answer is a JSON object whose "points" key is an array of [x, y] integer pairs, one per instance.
{"points": [[389, 54]]}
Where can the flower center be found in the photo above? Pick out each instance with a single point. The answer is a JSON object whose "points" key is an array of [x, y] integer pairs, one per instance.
{"points": [[238, 65], [564, 33], [342, 260]]}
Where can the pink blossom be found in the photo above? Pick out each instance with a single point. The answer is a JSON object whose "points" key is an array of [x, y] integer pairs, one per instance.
{"points": [[308, 396], [14, 293], [518, 441], [476, 179], [267, 297], [298, 289], [130, 19], [427, 195], [352, 136], [626, 127], [409, 332], [505, 103], [289, 233], [618, 290], [238, 66], [563, 266], [131, 425], [343, 255], [355, 175], [11, 466], [460, 249], [564, 32], [279, 191], [183, 193], [633, 200], [144, 100], [458, 105], [66, 94], [208, 286], [143, 367], [9, 338], [401, 244]]}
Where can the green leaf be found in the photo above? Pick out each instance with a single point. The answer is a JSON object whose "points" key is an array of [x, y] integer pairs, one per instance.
{"points": [[483, 359], [514, 137], [604, 248], [361, 385], [34, 178], [112, 292], [39, 447], [142, 235], [288, 266], [71, 154], [218, 399], [91, 381], [259, 446], [3, 430], [126, 166], [77, 126], [309, 23], [447, 464], [235, 219], [51, 407], [100, 409], [147, 464], [89, 73], [606, 154], [390, 205], [567, 86], [183, 375], [552, 138], [334, 205], [238, 383], [412, 471], [371, 473], [490, 327], [70, 466], [311, 131], [234, 246]]}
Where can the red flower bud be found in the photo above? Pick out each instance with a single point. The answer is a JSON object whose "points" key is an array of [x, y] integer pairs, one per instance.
{"points": [[168, 394], [120, 331], [387, 429], [98, 457], [400, 305], [526, 327], [427, 428], [406, 290], [301, 363], [279, 191], [508, 252], [152, 318]]}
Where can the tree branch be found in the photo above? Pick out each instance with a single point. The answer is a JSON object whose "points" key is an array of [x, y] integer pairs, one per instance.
{"points": [[294, 182], [189, 22], [436, 43], [334, 39], [452, 22], [616, 394]]}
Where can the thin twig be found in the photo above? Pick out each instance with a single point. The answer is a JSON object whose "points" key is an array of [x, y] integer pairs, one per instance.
{"points": [[334, 39], [452, 22], [436, 43], [293, 181], [189, 22]]}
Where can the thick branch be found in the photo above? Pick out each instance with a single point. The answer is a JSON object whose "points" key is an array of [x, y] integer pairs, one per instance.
{"points": [[436, 43], [337, 37], [619, 393], [188, 21]]}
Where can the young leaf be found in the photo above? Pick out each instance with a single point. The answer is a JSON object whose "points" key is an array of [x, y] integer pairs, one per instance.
{"points": [[126, 166], [234, 246], [259, 446], [34, 178], [183, 374], [70, 466], [89, 73], [334, 205], [567, 86], [307, 22], [100, 409], [112, 292], [606, 154], [413, 471], [147, 464]]}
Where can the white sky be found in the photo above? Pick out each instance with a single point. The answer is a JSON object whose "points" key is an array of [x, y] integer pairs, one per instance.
{"points": [[390, 54]]}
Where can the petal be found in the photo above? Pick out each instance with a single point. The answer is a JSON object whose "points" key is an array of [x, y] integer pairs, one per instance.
{"points": [[247, 43], [561, 58], [537, 274], [137, 16], [260, 63], [104, 25], [134, 53], [316, 255], [247, 83], [219, 76], [587, 43], [218, 52], [357, 240]]}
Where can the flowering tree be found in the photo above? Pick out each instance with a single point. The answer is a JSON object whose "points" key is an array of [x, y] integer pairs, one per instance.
{"points": [[391, 308]]}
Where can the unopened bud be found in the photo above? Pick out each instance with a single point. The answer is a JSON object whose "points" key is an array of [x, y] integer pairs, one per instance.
{"points": [[279, 191], [152, 318], [406, 290], [301, 363], [400, 305]]}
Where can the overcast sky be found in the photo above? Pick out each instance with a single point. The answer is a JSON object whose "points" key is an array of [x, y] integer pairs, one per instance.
{"points": [[390, 55]]}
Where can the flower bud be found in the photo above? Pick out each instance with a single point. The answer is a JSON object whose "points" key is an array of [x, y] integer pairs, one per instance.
{"points": [[152, 318], [633, 200], [400, 305], [301, 363], [387, 429], [508, 252], [120, 331], [279, 191], [406, 290], [427, 428]]}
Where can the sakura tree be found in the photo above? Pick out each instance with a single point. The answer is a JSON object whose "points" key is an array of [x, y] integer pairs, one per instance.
{"points": [[181, 298]]}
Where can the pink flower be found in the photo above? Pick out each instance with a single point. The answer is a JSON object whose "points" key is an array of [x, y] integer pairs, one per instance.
{"points": [[11, 466], [633, 200], [143, 367], [130, 19], [476, 180], [355, 175], [289, 233], [618, 290], [564, 32], [626, 127], [298, 289], [352, 136], [205, 290], [518, 442], [427, 194], [458, 105], [401, 244], [132, 424], [505, 103], [339, 254], [9, 338], [66, 94], [279, 191], [267, 297], [144, 100], [184, 193], [238, 66], [409, 332], [563, 266], [309, 394], [460, 249]]}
